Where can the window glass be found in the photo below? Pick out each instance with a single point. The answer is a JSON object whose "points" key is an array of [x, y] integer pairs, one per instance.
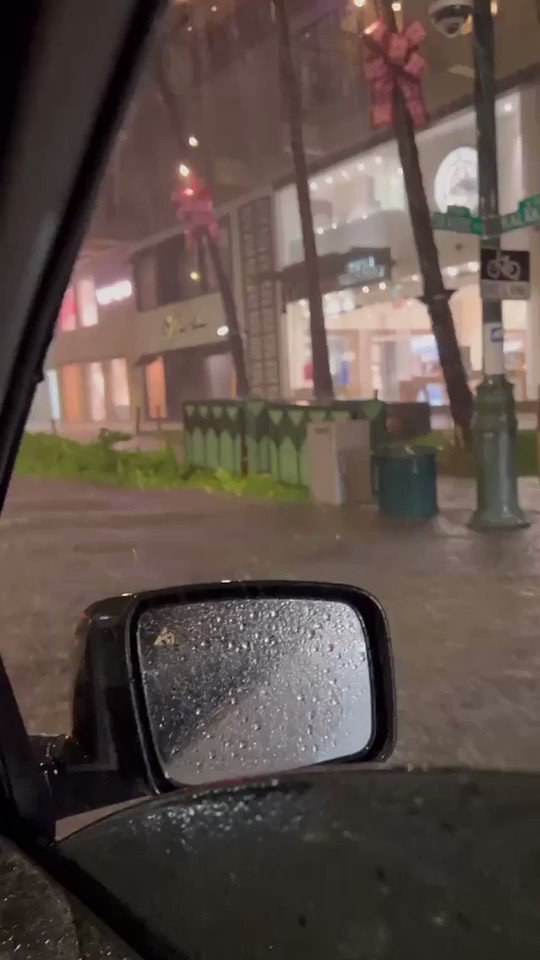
{"points": [[53, 390], [145, 279], [96, 388], [86, 296], [155, 389], [72, 393], [67, 318], [119, 388]]}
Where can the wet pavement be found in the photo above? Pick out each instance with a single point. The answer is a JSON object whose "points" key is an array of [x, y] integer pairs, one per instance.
{"points": [[464, 607]]}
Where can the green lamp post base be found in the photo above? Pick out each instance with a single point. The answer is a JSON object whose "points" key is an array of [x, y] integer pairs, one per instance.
{"points": [[495, 431]]}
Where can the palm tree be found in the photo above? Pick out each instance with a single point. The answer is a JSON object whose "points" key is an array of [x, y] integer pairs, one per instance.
{"points": [[435, 294], [322, 378], [175, 113]]}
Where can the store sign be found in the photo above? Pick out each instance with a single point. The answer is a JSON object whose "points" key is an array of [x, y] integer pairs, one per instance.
{"points": [[176, 326], [456, 180], [505, 274], [364, 270], [359, 267]]}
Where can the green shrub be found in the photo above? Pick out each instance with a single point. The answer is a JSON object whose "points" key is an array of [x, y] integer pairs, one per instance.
{"points": [[453, 461], [50, 456]]}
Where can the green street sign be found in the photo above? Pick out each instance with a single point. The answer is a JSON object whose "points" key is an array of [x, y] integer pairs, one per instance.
{"points": [[511, 221], [530, 209], [457, 220], [527, 214]]}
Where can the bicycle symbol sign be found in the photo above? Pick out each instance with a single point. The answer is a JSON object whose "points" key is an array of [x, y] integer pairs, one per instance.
{"points": [[505, 274]]}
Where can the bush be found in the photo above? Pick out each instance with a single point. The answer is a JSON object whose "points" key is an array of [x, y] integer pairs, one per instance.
{"points": [[51, 457], [455, 462]]}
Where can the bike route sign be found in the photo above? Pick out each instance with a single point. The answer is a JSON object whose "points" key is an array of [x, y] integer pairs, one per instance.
{"points": [[505, 274]]}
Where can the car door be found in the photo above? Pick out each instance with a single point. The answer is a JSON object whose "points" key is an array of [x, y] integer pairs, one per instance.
{"points": [[333, 863], [39, 919]]}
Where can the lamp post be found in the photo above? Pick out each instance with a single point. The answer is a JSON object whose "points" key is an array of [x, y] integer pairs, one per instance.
{"points": [[495, 421]]}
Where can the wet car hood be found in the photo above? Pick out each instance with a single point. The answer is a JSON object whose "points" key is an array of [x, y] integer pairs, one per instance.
{"points": [[333, 864]]}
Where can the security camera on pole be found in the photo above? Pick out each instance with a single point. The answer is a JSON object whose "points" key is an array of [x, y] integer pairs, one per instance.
{"points": [[495, 422]]}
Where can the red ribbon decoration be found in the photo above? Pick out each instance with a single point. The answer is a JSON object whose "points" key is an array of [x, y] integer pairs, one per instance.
{"points": [[195, 208], [394, 59]]}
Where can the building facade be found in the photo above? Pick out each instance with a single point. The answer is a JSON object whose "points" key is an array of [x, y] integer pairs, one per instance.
{"points": [[142, 326], [378, 326]]}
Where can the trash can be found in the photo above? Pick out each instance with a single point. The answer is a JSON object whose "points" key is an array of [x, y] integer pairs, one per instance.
{"points": [[407, 481]]}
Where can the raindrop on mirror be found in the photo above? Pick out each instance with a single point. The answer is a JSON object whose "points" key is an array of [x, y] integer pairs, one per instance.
{"points": [[294, 670]]}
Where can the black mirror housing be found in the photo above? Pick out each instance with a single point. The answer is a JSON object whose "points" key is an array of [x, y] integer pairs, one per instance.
{"points": [[112, 744]]}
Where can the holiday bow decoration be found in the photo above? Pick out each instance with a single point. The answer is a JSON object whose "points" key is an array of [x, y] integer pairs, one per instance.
{"points": [[393, 60], [194, 206]]}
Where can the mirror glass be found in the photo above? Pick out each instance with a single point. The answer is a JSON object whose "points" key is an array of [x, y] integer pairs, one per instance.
{"points": [[247, 686]]}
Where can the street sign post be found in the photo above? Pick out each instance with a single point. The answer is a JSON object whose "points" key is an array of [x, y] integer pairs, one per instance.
{"points": [[505, 274]]}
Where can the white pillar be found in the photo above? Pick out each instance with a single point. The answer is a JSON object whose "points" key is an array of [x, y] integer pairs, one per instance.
{"points": [[530, 138]]}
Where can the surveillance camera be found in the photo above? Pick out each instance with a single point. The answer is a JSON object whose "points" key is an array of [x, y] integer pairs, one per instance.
{"points": [[449, 18]]}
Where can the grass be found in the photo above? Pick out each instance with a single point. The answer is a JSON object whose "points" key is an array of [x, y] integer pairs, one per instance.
{"points": [[455, 462], [52, 457]]}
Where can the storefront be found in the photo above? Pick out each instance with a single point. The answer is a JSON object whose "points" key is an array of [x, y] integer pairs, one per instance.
{"points": [[378, 328], [183, 354]]}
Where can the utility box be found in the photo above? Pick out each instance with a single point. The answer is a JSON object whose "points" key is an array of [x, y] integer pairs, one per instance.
{"points": [[340, 461]]}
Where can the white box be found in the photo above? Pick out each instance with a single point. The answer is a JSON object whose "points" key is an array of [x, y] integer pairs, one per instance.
{"points": [[340, 462]]}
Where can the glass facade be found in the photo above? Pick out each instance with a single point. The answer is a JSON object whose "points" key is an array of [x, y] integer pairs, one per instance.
{"points": [[379, 330]]}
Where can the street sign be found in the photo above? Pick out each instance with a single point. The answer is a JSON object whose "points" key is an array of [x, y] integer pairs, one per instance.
{"points": [[526, 215], [505, 274], [511, 221], [457, 220], [530, 209]]}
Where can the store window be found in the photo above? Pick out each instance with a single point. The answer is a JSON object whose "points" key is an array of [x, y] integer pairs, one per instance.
{"points": [[154, 374], [72, 393], [346, 200], [96, 391], [67, 318], [119, 388], [86, 296], [361, 202]]}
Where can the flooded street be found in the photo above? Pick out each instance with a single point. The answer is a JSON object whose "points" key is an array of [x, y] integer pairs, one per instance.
{"points": [[463, 607]]}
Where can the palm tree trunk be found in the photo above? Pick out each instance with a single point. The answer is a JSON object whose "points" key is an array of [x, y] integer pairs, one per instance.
{"points": [[322, 378], [435, 294], [235, 339], [235, 336]]}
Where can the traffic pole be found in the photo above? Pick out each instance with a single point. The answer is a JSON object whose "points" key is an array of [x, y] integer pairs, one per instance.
{"points": [[495, 421]]}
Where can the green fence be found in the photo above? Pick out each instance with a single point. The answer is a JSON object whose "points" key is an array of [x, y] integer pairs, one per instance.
{"points": [[214, 434], [257, 436], [288, 432]]}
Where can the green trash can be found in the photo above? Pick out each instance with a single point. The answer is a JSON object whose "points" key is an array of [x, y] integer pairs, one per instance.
{"points": [[407, 481]]}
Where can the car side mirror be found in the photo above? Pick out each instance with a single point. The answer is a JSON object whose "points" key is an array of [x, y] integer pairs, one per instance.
{"points": [[204, 683]]}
